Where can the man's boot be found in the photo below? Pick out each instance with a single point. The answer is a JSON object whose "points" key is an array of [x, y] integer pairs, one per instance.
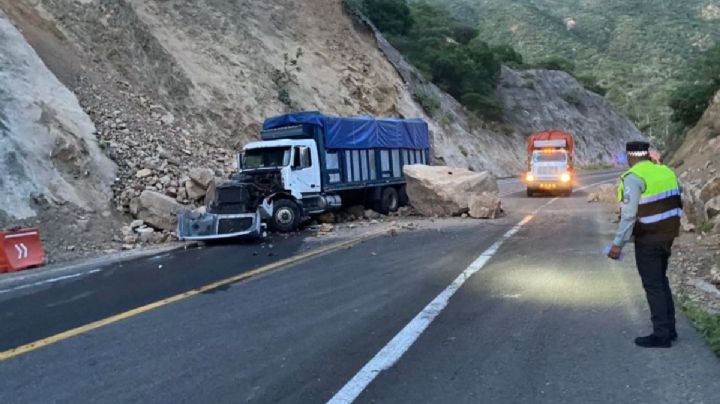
{"points": [[653, 341]]}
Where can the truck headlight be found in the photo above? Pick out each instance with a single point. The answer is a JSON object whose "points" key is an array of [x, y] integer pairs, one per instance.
{"points": [[565, 177], [530, 177]]}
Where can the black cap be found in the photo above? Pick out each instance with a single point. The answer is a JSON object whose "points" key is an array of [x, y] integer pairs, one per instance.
{"points": [[638, 146]]}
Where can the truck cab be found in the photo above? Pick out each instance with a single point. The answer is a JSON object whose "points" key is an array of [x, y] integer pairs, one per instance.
{"points": [[297, 162], [550, 164]]}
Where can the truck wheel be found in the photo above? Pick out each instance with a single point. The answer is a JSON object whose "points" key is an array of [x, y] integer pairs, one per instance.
{"points": [[389, 201], [530, 193], [286, 216], [404, 198]]}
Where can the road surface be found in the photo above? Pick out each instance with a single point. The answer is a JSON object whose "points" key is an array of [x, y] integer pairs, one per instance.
{"points": [[523, 309]]}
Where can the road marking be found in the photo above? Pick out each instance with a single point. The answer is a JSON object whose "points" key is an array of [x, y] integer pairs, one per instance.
{"points": [[401, 343], [396, 348], [48, 281], [164, 302]]}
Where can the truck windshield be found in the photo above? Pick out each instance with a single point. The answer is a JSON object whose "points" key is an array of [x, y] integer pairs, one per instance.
{"points": [[266, 158], [553, 156]]}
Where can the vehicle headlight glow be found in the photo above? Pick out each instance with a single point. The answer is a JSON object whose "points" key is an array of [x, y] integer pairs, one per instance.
{"points": [[565, 177], [530, 177]]}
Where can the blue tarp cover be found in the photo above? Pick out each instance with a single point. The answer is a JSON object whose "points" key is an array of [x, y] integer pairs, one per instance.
{"points": [[361, 132]]}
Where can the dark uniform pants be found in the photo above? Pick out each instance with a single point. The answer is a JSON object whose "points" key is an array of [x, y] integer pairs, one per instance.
{"points": [[652, 262]]}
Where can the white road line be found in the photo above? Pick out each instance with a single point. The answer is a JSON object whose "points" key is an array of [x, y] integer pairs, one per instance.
{"points": [[48, 281], [396, 348]]}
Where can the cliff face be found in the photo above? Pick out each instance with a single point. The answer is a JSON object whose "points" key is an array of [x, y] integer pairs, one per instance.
{"points": [[49, 152]]}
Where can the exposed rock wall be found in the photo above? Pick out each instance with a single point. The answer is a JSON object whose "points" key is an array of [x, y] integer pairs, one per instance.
{"points": [[48, 149]]}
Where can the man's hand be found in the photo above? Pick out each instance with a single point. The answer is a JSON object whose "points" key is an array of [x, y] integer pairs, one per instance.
{"points": [[615, 252]]}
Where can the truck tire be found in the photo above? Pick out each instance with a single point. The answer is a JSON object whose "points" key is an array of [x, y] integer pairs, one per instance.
{"points": [[286, 216], [389, 201], [404, 199], [530, 193]]}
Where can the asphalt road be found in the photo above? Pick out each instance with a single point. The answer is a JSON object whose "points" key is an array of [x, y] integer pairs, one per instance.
{"points": [[546, 319]]}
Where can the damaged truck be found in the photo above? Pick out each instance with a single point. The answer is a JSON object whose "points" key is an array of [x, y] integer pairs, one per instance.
{"points": [[307, 164]]}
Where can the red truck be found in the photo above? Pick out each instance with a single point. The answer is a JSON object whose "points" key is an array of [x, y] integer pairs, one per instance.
{"points": [[550, 163]]}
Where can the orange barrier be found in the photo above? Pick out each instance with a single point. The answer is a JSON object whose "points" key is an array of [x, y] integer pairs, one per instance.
{"points": [[20, 249]]}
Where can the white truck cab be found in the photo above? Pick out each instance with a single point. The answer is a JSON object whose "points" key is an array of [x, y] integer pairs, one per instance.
{"points": [[298, 161]]}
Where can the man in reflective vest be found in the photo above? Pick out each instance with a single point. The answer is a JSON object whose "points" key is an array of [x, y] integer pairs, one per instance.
{"points": [[651, 210]]}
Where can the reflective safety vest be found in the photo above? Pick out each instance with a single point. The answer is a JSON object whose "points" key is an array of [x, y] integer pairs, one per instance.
{"points": [[660, 206]]}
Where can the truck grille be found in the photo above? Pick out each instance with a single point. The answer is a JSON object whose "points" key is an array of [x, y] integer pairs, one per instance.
{"points": [[549, 171], [237, 225]]}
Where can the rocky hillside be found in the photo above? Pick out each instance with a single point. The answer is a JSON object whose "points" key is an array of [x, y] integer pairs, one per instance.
{"points": [[175, 85], [698, 162], [53, 171]]}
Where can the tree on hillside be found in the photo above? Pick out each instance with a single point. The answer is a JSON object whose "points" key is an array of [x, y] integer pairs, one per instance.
{"points": [[390, 16], [690, 101]]}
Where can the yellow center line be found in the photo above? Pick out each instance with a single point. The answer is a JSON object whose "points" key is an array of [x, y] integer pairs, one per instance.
{"points": [[23, 349]]}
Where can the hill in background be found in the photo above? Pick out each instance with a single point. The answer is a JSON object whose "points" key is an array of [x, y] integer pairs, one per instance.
{"points": [[638, 49]]}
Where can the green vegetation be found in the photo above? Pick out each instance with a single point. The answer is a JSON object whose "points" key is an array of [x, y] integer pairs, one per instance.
{"points": [[284, 77], [706, 227], [637, 51], [389, 16], [451, 52], [707, 324], [445, 50], [690, 100], [427, 101]]}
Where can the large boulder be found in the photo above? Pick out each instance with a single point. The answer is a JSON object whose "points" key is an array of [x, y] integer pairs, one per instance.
{"points": [[710, 190], [693, 205], [202, 176], [484, 206], [158, 210], [445, 191], [194, 191]]}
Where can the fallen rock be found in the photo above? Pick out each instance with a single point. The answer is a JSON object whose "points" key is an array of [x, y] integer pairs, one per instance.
{"points": [[144, 173], [484, 206], [326, 228], [715, 276], [136, 223], [711, 189], [687, 226], [445, 191], [202, 176], [357, 210], [194, 191], [327, 217], [712, 207], [371, 215], [606, 193], [693, 206], [145, 234], [158, 210]]}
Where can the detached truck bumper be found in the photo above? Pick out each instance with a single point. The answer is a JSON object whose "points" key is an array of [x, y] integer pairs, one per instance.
{"points": [[211, 226]]}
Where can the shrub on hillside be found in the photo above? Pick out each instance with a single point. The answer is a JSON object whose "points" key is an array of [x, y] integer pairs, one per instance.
{"points": [[690, 102], [390, 16]]}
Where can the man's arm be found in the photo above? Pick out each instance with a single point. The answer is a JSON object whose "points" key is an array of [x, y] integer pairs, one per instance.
{"points": [[634, 187]]}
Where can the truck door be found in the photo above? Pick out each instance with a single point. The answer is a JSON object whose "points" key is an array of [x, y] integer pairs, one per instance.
{"points": [[305, 171]]}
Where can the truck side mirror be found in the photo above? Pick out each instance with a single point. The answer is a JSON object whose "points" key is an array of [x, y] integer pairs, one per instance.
{"points": [[239, 162]]}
